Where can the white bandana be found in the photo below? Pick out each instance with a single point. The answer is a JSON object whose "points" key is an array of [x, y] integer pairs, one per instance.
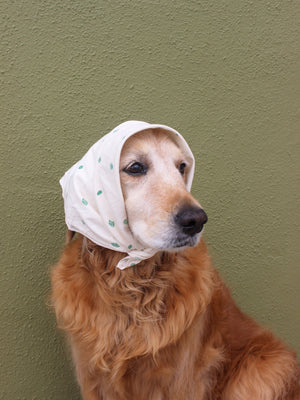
{"points": [[93, 199]]}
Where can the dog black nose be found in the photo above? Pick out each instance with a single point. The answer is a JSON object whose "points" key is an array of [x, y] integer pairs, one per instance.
{"points": [[191, 220]]}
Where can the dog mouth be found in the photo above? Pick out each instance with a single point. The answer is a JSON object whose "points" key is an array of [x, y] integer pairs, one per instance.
{"points": [[174, 237], [181, 242]]}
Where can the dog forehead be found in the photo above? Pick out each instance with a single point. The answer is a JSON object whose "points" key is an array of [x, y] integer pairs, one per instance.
{"points": [[156, 143]]}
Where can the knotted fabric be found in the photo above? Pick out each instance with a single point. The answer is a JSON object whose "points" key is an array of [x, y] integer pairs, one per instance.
{"points": [[93, 200]]}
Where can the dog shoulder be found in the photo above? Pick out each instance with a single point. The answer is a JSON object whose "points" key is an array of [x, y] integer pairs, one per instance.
{"points": [[257, 361]]}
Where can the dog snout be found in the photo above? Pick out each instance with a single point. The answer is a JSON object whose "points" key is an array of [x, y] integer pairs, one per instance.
{"points": [[191, 220]]}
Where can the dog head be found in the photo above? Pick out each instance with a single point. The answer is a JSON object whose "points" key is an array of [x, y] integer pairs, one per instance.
{"points": [[162, 214]]}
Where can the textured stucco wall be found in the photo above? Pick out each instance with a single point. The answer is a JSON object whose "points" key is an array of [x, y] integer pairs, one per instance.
{"points": [[223, 73]]}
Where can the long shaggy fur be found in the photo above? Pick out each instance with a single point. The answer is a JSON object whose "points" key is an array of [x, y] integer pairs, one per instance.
{"points": [[166, 329]]}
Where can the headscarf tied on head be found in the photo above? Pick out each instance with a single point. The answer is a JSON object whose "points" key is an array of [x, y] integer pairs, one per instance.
{"points": [[93, 199]]}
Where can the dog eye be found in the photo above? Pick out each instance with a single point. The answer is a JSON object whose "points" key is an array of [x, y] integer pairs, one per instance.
{"points": [[182, 168], [136, 168]]}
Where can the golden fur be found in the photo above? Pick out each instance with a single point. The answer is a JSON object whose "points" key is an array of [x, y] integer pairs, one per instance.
{"points": [[165, 329]]}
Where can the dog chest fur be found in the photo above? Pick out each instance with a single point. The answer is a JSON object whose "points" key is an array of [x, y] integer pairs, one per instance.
{"points": [[166, 329]]}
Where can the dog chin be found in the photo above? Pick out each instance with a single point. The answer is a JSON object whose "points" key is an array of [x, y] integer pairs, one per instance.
{"points": [[184, 242], [170, 242], [181, 242]]}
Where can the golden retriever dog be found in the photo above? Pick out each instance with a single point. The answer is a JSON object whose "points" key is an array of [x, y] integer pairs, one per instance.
{"points": [[167, 328]]}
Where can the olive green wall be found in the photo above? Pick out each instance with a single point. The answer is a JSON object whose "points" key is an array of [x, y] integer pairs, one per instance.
{"points": [[223, 73]]}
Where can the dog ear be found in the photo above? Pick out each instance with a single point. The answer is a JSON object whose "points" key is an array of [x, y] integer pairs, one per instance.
{"points": [[69, 236]]}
